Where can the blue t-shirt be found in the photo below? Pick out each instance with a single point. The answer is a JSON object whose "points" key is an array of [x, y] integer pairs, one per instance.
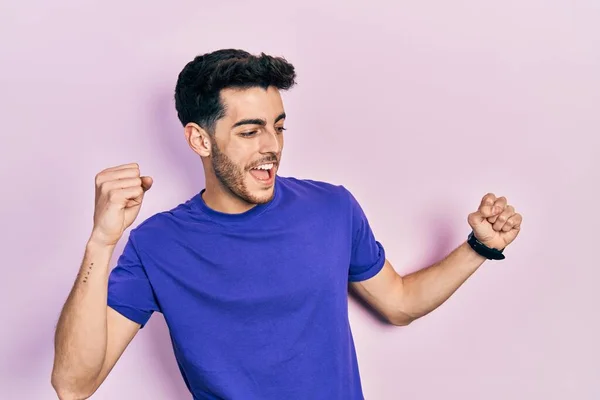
{"points": [[256, 303]]}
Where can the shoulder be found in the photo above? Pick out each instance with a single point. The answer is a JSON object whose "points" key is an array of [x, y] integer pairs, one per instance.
{"points": [[313, 187], [162, 224], [310, 194]]}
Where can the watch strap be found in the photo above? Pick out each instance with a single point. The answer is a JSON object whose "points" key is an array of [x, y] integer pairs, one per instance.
{"points": [[483, 250]]}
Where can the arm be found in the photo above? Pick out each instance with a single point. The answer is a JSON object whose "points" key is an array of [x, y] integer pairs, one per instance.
{"points": [[90, 337], [402, 299]]}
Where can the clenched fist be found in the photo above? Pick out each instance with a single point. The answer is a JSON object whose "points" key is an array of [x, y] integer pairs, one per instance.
{"points": [[119, 194], [495, 223]]}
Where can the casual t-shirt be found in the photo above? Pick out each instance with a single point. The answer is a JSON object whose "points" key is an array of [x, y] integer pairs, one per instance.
{"points": [[256, 303]]}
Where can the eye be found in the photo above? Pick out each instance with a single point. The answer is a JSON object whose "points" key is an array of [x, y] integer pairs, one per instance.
{"points": [[248, 134], [280, 129]]}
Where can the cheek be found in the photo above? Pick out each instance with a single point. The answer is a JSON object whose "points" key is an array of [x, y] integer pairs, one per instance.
{"points": [[240, 155]]}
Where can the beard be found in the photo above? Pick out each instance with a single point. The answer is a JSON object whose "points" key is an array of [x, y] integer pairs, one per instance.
{"points": [[232, 177]]}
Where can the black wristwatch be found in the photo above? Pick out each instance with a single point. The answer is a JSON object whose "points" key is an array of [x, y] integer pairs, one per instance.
{"points": [[483, 250]]}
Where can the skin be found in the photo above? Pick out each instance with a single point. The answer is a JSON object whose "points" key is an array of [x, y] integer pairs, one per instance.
{"points": [[91, 337], [231, 151], [403, 299]]}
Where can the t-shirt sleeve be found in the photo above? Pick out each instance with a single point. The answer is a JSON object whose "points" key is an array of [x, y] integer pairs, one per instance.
{"points": [[129, 290], [368, 255]]}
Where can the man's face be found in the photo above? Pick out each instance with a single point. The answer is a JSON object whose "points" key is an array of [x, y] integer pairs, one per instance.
{"points": [[247, 145]]}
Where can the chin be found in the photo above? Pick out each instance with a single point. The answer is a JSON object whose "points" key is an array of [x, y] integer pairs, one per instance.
{"points": [[261, 196], [260, 191]]}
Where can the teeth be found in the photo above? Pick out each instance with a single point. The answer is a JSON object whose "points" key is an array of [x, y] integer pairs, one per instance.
{"points": [[265, 166]]}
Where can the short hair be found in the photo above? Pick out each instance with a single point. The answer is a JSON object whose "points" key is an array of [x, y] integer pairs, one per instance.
{"points": [[198, 88]]}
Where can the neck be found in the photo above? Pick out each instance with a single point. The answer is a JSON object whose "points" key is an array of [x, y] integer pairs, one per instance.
{"points": [[221, 199]]}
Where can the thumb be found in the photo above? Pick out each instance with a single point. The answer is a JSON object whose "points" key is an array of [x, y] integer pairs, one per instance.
{"points": [[476, 218], [146, 183]]}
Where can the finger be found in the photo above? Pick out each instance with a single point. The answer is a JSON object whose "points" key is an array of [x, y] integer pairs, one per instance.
{"points": [[123, 173], [487, 202], [123, 166], [134, 202], [133, 193], [499, 205], [497, 209], [514, 222], [138, 199], [122, 196], [512, 234], [147, 183], [501, 219], [121, 184], [475, 218]]}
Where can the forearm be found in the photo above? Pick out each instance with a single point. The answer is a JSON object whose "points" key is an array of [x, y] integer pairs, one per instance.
{"points": [[81, 333], [426, 289]]}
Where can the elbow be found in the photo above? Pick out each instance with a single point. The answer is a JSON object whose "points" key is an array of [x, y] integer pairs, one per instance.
{"points": [[401, 321], [400, 318], [64, 393], [68, 391]]}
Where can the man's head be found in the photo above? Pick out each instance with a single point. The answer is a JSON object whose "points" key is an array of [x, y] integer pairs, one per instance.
{"points": [[230, 105]]}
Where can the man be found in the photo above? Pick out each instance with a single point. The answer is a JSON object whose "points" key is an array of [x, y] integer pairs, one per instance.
{"points": [[252, 273]]}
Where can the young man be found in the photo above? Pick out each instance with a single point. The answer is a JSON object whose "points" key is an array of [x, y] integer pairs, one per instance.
{"points": [[252, 273]]}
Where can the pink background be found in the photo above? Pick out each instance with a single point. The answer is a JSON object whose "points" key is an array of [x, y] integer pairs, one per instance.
{"points": [[420, 108]]}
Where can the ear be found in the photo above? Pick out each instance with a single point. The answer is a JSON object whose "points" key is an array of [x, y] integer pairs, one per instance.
{"points": [[198, 139]]}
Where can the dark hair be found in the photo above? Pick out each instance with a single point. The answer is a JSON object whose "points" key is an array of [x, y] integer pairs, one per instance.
{"points": [[197, 92]]}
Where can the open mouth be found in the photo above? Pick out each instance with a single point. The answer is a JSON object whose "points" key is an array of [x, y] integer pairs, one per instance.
{"points": [[264, 172]]}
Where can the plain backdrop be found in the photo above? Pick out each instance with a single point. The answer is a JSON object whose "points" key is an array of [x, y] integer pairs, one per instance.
{"points": [[419, 108]]}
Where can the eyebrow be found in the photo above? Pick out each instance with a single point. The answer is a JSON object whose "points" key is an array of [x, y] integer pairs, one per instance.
{"points": [[257, 121]]}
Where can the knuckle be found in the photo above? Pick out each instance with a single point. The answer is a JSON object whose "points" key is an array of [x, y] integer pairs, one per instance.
{"points": [[136, 192], [112, 195], [104, 188]]}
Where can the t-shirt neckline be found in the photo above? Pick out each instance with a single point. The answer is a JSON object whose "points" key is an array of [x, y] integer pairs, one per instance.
{"points": [[237, 217]]}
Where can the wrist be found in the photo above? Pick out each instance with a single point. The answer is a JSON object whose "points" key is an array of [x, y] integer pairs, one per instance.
{"points": [[99, 240], [484, 250], [468, 249], [95, 244]]}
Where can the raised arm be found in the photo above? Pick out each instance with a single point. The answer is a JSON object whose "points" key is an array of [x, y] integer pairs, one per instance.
{"points": [[402, 299], [90, 337]]}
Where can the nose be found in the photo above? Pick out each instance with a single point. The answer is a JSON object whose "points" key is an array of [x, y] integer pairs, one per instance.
{"points": [[270, 142]]}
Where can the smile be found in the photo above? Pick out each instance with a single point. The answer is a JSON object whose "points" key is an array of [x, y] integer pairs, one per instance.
{"points": [[264, 173]]}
